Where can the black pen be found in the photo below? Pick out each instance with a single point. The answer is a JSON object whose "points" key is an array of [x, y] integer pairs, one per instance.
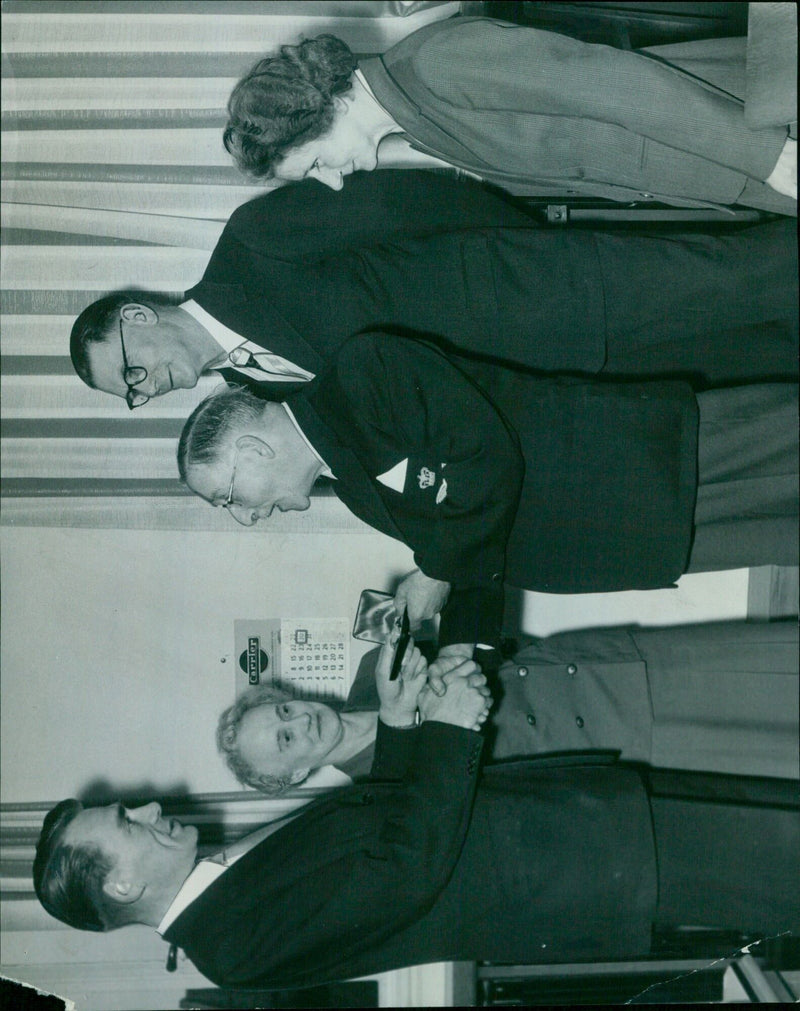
{"points": [[400, 648]]}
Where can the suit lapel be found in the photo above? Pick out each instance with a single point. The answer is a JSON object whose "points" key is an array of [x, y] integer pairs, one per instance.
{"points": [[354, 485], [258, 321]]}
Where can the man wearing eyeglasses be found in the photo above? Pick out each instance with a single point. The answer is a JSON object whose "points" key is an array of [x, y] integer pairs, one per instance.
{"points": [[165, 347], [555, 484], [298, 271]]}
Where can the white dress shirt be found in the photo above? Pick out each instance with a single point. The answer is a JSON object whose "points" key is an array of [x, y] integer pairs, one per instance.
{"points": [[268, 367], [207, 871], [326, 471]]}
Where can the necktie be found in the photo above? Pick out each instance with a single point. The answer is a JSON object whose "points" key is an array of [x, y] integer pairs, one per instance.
{"points": [[273, 366]]}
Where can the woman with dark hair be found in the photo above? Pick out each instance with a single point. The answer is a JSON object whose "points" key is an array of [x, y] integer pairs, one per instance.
{"points": [[520, 107]]}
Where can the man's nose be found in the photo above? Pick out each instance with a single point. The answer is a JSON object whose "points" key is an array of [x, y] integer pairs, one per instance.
{"points": [[148, 386], [148, 814], [330, 177]]}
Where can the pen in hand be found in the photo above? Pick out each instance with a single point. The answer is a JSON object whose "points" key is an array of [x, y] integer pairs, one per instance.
{"points": [[400, 648]]}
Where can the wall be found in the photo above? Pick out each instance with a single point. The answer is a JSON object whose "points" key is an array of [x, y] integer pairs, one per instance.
{"points": [[117, 656], [117, 651]]}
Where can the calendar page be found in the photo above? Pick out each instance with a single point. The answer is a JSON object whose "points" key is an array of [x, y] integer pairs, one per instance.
{"points": [[309, 656]]}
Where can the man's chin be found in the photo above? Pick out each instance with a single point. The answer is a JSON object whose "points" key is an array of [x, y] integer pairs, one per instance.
{"points": [[187, 837], [185, 381], [294, 506]]}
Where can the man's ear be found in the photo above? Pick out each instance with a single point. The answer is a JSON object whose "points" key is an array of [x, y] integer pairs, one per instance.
{"points": [[298, 776], [136, 312], [253, 444], [123, 892]]}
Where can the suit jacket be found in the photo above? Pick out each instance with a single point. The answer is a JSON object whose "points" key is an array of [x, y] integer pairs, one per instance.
{"points": [[554, 484], [540, 863], [303, 268], [545, 113]]}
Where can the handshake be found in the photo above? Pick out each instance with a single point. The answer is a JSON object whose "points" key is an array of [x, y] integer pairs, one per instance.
{"points": [[453, 690]]}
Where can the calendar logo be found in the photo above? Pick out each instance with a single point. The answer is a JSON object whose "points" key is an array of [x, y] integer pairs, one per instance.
{"points": [[253, 661], [309, 657]]}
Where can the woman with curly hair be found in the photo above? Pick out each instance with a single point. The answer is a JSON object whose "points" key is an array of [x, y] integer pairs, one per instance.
{"points": [[520, 107]]}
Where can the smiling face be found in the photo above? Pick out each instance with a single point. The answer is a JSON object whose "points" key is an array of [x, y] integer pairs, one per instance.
{"points": [[251, 478], [284, 738], [351, 145], [153, 341], [147, 850]]}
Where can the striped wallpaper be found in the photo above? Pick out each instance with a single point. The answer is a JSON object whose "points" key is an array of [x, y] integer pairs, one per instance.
{"points": [[114, 175]]}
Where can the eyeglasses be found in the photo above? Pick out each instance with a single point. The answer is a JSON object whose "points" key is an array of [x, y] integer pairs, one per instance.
{"points": [[132, 375], [229, 497]]}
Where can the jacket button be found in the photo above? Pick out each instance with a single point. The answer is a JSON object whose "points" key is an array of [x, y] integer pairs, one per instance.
{"points": [[496, 577], [572, 669], [579, 721], [531, 719], [522, 671]]}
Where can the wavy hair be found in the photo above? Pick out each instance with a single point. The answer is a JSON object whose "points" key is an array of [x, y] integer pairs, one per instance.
{"points": [[227, 741], [285, 101]]}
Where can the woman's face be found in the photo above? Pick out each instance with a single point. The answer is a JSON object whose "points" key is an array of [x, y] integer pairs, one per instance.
{"points": [[349, 146], [278, 739]]}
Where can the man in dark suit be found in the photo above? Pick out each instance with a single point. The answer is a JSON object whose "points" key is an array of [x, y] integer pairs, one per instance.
{"points": [[546, 860], [559, 485], [299, 270]]}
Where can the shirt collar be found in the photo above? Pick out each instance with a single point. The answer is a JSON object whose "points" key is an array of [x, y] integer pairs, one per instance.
{"points": [[326, 469], [225, 337], [365, 84], [205, 873]]}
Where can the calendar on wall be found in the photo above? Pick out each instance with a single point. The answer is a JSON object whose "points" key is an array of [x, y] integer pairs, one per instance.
{"points": [[309, 656]]}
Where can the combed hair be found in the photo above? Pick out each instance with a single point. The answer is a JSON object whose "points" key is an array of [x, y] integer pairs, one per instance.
{"points": [[209, 423], [284, 101], [69, 879], [98, 323], [228, 732]]}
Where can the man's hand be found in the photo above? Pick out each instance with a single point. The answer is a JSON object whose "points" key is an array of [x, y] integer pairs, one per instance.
{"points": [[399, 697], [448, 658], [466, 702], [421, 596]]}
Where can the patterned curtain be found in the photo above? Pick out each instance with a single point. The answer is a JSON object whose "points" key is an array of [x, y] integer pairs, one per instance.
{"points": [[114, 175]]}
